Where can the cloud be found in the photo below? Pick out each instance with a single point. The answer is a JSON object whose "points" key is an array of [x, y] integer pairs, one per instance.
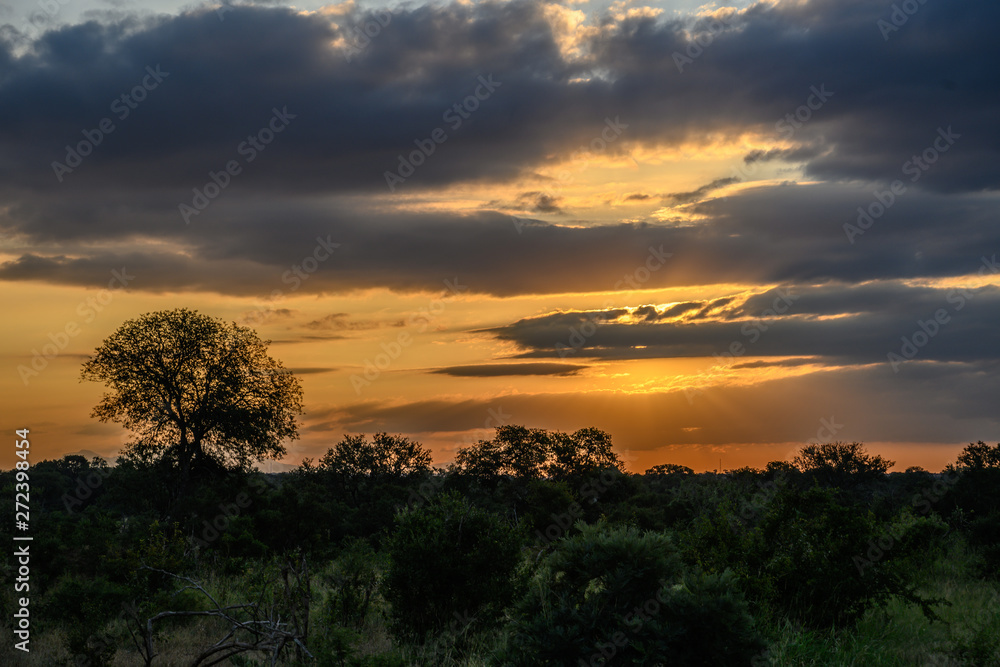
{"points": [[540, 202], [837, 324], [497, 370], [753, 75], [769, 234], [700, 193], [343, 322], [221, 84]]}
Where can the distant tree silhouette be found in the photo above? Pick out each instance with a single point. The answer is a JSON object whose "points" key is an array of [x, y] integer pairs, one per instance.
{"points": [[389, 456], [533, 453], [841, 458], [669, 469], [195, 390], [582, 452], [975, 489], [979, 456], [779, 468]]}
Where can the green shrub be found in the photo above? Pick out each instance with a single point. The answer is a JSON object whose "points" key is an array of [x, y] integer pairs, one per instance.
{"points": [[450, 560], [825, 564], [618, 596], [984, 534], [86, 606]]}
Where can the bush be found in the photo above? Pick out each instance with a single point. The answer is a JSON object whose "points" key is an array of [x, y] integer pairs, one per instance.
{"points": [[86, 605], [825, 564], [450, 560], [353, 584], [984, 534], [618, 596]]}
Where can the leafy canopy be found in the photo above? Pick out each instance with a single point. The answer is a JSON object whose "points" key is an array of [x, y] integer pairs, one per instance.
{"points": [[385, 455], [841, 458], [979, 456], [195, 389], [533, 453]]}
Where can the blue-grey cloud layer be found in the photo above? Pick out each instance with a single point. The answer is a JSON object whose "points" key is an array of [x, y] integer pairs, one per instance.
{"points": [[353, 118]]}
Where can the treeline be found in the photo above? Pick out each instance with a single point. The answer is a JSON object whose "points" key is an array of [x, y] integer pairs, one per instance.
{"points": [[533, 548]]}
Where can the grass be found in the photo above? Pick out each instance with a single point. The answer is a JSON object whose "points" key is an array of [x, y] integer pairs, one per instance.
{"points": [[899, 634]]}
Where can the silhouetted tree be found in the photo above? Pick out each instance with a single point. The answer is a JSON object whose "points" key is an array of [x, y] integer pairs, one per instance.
{"points": [[584, 451], [533, 453], [196, 390], [669, 469], [841, 458], [979, 456], [384, 456], [514, 451]]}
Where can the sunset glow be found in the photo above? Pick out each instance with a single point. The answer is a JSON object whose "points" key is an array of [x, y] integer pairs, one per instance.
{"points": [[548, 214]]}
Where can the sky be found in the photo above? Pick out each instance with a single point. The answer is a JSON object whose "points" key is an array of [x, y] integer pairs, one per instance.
{"points": [[718, 232]]}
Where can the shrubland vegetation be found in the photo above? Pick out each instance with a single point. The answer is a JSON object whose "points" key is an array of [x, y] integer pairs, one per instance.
{"points": [[534, 548]]}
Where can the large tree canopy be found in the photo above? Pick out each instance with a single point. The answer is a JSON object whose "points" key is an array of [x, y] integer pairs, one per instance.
{"points": [[196, 390], [385, 456], [840, 458], [533, 453]]}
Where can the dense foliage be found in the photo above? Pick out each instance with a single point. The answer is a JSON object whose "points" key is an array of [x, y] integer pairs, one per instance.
{"points": [[372, 557]]}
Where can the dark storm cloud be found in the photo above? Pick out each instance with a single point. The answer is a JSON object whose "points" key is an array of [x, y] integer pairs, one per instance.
{"points": [[498, 370], [834, 323], [208, 84], [781, 234], [352, 119]]}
